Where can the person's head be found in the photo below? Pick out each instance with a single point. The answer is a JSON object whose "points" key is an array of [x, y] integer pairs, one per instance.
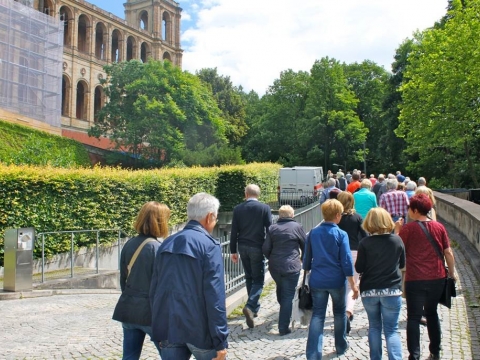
{"points": [[285, 211], [366, 184], [391, 176], [381, 177], [152, 220], [398, 173], [411, 185], [347, 201], [407, 179], [252, 191], [420, 204], [421, 181], [427, 191], [334, 193], [355, 176], [392, 184], [203, 207], [331, 182], [372, 176], [401, 187], [332, 210], [378, 221]]}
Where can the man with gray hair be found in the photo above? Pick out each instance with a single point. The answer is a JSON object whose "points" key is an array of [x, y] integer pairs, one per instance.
{"points": [[250, 223], [421, 181], [330, 183], [187, 293], [394, 201]]}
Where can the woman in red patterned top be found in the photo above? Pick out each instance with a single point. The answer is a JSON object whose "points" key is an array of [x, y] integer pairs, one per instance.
{"points": [[425, 276]]}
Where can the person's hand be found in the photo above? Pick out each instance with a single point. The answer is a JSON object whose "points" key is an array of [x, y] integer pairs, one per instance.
{"points": [[356, 293], [221, 354], [398, 225], [234, 258]]}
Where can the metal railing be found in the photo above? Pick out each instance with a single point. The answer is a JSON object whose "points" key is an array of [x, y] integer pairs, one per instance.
{"points": [[309, 217], [72, 234]]}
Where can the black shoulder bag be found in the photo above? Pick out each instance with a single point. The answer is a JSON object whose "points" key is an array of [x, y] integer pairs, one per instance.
{"points": [[449, 289]]}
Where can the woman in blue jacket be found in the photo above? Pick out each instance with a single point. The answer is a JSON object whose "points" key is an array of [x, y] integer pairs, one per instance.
{"points": [[327, 255]]}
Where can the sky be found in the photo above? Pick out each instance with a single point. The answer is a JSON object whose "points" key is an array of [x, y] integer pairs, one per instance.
{"points": [[253, 41]]}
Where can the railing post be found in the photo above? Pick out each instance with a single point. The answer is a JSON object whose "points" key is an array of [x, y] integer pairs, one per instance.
{"points": [[71, 256], [97, 251]]}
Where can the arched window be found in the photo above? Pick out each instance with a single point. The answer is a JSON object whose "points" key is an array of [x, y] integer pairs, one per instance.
{"points": [[46, 7], [83, 24], [131, 53], [65, 95], [82, 90], [116, 50], [66, 17], [98, 101], [166, 32], [144, 52], [143, 20], [100, 46], [166, 56]]}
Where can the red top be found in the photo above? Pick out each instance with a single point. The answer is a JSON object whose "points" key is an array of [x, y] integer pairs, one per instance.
{"points": [[354, 185], [423, 263]]}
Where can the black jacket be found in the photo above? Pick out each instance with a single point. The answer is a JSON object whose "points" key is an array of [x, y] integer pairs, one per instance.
{"points": [[282, 247], [250, 223], [352, 225], [134, 304]]}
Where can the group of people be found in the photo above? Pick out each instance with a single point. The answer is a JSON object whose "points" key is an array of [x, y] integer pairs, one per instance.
{"points": [[173, 286], [358, 237]]}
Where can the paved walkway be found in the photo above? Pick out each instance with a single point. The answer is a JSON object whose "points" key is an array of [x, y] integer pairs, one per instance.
{"points": [[80, 327]]}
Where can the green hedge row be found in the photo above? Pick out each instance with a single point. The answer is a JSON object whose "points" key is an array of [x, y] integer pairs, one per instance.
{"points": [[23, 145], [55, 199]]}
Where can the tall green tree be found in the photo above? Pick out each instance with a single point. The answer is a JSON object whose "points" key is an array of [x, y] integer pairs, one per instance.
{"points": [[369, 82], [440, 114], [155, 111], [331, 129]]}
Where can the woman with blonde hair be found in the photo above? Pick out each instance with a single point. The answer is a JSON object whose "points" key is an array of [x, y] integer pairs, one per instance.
{"points": [[136, 268], [432, 214], [379, 260], [351, 223]]}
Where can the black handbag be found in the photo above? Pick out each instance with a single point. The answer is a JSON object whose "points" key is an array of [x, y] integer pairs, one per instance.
{"points": [[305, 301], [449, 289]]}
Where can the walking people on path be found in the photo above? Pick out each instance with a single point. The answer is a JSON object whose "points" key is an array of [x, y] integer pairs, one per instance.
{"points": [[284, 243], [136, 264], [394, 201], [425, 273], [328, 257], [187, 294], [380, 258], [351, 223], [250, 223]]}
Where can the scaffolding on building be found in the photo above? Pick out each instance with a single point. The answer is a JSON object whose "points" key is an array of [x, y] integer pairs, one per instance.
{"points": [[31, 50]]}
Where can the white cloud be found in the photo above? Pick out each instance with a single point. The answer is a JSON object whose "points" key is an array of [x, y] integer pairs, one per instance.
{"points": [[253, 41]]}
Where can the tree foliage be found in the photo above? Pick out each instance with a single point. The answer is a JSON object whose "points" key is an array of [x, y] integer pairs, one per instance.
{"points": [[155, 111], [441, 99]]}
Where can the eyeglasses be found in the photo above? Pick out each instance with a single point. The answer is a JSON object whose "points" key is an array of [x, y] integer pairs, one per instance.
{"points": [[215, 217]]}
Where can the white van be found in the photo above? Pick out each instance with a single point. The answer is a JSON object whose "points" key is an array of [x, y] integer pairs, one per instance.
{"points": [[299, 185]]}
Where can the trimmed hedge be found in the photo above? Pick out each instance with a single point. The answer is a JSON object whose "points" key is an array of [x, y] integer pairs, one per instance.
{"points": [[22, 145], [55, 199]]}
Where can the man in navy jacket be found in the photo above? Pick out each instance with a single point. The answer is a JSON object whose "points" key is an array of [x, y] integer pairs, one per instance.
{"points": [[250, 223], [187, 294]]}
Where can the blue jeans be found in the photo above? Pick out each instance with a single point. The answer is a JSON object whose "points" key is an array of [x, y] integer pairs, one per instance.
{"points": [[254, 266], [423, 296], [133, 337], [185, 351], [286, 285], [383, 311], [315, 332]]}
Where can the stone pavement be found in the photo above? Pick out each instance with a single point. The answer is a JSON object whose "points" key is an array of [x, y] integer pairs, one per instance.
{"points": [[79, 326]]}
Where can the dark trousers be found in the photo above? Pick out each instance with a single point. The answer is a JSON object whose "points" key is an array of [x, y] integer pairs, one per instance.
{"points": [[423, 296], [286, 285], [253, 263]]}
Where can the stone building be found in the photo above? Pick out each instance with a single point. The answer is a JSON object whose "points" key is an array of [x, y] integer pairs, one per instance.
{"points": [[93, 38]]}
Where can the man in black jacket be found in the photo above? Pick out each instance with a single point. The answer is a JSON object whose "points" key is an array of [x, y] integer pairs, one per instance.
{"points": [[250, 223]]}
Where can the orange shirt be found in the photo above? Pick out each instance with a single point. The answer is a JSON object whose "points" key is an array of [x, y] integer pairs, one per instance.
{"points": [[354, 185]]}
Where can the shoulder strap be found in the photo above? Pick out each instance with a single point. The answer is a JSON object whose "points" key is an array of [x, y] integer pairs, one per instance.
{"points": [[136, 253], [434, 244]]}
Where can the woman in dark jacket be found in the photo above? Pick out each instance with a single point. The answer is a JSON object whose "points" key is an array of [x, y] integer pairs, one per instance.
{"points": [[133, 307], [380, 258], [282, 247], [351, 223]]}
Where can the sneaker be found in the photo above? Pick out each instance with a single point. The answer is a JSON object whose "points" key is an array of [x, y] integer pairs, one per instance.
{"points": [[249, 317], [434, 357]]}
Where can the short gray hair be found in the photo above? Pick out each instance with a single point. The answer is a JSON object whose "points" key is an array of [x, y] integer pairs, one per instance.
{"points": [[331, 182], [411, 185], [392, 184], [252, 190], [200, 205], [366, 184], [421, 181], [286, 211]]}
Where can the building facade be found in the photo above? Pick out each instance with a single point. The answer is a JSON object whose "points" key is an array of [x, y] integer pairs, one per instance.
{"points": [[93, 38]]}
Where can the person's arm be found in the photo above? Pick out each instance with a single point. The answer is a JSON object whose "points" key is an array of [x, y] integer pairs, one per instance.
{"points": [[360, 262], [347, 264], [353, 286], [449, 258], [214, 299], [323, 197], [307, 259], [402, 261], [301, 240], [267, 246], [233, 238], [123, 270]]}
